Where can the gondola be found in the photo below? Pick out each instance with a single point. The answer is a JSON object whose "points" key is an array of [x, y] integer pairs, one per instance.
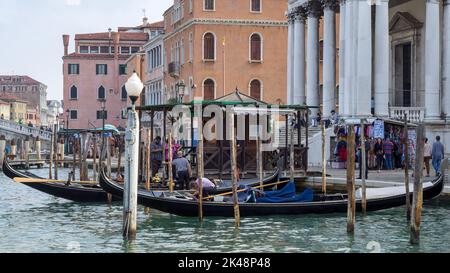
{"points": [[180, 204], [83, 193], [73, 192]]}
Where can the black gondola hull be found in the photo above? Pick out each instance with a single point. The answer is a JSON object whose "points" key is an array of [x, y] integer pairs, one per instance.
{"points": [[72, 193], [190, 208]]}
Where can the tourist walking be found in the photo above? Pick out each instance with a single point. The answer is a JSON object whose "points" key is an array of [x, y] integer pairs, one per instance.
{"points": [[427, 156], [388, 148], [378, 149], [437, 155]]}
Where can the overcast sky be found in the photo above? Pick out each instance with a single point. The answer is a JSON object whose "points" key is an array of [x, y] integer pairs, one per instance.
{"points": [[31, 31]]}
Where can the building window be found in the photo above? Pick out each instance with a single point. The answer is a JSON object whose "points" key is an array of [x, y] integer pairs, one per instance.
{"points": [[104, 49], [124, 50], [191, 46], [255, 89], [95, 50], [134, 50], [124, 93], [321, 50], [209, 90], [209, 5], [209, 47], [73, 114], [74, 93], [255, 47], [122, 69], [101, 93], [84, 49], [190, 6], [102, 114], [102, 69], [74, 69], [255, 5]]}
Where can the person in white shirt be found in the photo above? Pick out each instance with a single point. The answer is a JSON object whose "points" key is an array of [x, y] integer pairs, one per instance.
{"points": [[427, 156], [209, 188]]}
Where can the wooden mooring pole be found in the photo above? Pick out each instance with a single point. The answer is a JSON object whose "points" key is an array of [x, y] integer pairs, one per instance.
{"points": [[38, 148], [94, 156], [200, 166], [55, 153], [406, 153], [418, 187], [292, 156], [237, 217], [170, 167], [2, 149], [363, 167], [26, 152], [148, 173], [351, 210], [52, 147], [324, 159]]}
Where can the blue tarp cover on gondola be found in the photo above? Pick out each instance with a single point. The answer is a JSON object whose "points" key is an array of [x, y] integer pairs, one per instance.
{"points": [[286, 195]]}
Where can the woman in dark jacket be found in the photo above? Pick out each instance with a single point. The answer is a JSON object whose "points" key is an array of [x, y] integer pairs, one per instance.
{"points": [[379, 153]]}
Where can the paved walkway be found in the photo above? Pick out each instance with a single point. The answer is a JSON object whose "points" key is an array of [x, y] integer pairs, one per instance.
{"points": [[376, 179]]}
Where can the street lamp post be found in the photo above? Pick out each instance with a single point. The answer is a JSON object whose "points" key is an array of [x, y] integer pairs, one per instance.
{"points": [[134, 88]]}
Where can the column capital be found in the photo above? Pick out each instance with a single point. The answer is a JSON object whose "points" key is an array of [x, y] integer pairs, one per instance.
{"points": [[314, 8], [331, 4], [446, 2], [300, 13]]}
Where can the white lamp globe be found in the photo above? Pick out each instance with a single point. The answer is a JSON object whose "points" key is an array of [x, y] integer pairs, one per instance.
{"points": [[134, 87]]}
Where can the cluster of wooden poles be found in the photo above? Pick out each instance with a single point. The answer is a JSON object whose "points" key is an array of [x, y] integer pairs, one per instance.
{"points": [[414, 211]]}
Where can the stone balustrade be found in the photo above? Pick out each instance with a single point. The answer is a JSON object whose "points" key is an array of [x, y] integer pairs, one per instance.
{"points": [[24, 130], [414, 114]]}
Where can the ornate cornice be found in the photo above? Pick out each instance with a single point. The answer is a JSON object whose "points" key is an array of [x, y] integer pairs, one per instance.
{"points": [[331, 4], [314, 8], [233, 22]]}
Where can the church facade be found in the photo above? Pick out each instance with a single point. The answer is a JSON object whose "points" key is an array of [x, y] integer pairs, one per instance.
{"points": [[385, 58]]}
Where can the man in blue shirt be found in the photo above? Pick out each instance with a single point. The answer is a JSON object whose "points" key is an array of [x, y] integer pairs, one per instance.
{"points": [[437, 155]]}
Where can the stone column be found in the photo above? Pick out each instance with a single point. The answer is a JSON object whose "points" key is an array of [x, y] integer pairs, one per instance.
{"points": [[446, 61], [432, 61], [348, 66], [290, 58], [342, 50], [381, 59], [299, 56], [362, 93], [312, 62], [329, 59]]}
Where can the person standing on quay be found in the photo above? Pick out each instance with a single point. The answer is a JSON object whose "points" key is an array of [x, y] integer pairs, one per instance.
{"points": [[156, 150], [437, 154], [378, 150], [388, 148], [427, 156]]}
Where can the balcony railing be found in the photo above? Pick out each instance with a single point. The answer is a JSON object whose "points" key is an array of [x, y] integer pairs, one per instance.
{"points": [[414, 114], [174, 69]]}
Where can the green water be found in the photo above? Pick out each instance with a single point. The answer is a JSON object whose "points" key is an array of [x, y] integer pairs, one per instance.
{"points": [[31, 221]]}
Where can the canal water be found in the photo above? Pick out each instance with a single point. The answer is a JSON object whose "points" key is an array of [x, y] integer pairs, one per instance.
{"points": [[31, 221]]}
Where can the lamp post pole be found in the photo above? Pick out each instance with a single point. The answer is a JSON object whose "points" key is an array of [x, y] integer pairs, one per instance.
{"points": [[134, 87]]}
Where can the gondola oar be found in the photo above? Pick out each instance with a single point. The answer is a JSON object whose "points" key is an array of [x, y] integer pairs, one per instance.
{"points": [[33, 180]]}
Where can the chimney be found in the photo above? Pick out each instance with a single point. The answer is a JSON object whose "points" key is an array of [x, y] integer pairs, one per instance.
{"points": [[144, 21], [66, 39], [116, 37]]}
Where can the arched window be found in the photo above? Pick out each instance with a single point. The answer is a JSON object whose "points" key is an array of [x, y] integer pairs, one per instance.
{"points": [[74, 93], [255, 47], [209, 46], [101, 93], [255, 89], [124, 93], [209, 89]]}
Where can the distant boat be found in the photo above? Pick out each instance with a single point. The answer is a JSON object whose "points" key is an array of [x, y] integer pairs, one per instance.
{"points": [[181, 204]]}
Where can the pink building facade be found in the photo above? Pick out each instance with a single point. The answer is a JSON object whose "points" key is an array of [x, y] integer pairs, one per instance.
{"points": [[96, 73]]}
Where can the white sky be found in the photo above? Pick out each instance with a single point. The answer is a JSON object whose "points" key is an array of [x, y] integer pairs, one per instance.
{"points": [[31, 31]]}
